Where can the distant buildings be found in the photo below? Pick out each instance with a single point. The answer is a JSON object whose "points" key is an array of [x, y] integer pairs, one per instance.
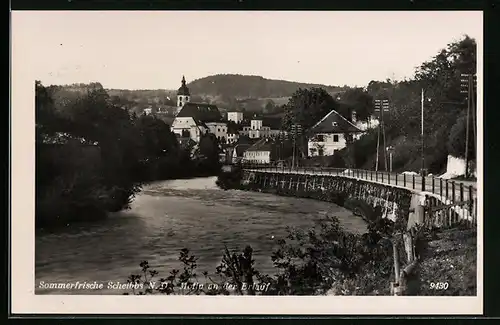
{"points": [[236, 117], [329, 134], [238, 151], [261, 152], [195, 119], [261, 128], [192, 120]]}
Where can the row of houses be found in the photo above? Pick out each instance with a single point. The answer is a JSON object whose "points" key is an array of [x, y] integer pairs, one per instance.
{"points": [[262, 134], [325, 138], [192, 120]]}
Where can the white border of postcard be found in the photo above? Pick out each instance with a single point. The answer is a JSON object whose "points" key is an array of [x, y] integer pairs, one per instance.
{"points": [[23, 299]]}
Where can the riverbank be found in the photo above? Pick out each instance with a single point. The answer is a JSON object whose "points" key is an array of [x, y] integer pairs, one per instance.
{"points": [[61, 206], [167, 216], [448, 260]]}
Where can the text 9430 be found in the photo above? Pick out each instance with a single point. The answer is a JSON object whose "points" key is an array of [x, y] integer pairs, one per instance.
{"points": [[439, 285]]}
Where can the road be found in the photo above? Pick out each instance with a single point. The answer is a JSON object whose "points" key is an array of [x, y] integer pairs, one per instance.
{"points": [[455, 190]]}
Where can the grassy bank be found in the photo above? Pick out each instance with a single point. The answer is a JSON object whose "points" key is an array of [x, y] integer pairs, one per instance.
{"points": [[450, 259], [447, 257]]}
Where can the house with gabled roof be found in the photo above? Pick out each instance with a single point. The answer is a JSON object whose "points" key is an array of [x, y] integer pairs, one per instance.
{"points": [[195, 119], [261, 152], [329, 134]]}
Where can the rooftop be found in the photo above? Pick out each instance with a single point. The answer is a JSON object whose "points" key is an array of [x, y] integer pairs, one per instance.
{"points": [[264, 144], [333, 122], [183, 90], [200, 112]]}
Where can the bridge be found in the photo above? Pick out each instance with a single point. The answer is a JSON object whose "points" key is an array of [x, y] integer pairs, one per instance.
{"points": [[447, 200]]}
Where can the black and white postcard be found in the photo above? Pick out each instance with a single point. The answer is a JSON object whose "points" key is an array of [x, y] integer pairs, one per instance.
{"points": [[239, 162]]}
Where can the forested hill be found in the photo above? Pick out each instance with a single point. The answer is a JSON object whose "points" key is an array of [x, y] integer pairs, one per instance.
{"points": [[245, 86], [228, 91]]}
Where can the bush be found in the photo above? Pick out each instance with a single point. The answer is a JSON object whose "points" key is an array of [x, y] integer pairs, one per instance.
{"points": [[323, 260]]}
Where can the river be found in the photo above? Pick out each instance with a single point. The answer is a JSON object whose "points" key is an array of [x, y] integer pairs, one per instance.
{"points": [[166, 217]]}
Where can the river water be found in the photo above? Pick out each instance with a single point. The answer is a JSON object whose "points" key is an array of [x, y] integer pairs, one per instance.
{"points": [[166, 217]]}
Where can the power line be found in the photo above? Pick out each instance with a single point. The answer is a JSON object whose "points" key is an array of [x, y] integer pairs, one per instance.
{"points": [[381, 105], [468, 84]]}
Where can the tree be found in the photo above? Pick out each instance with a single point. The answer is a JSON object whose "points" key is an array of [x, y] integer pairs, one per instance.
{"points": [[360, 101], [457, 139], [208, 150], [307, 106], [156, 137], [270, 107], [89, 179], [440, 79], [46, 118]]}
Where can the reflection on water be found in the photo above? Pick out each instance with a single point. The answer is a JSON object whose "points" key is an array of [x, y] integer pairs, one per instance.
{"points": [[168, 216]]}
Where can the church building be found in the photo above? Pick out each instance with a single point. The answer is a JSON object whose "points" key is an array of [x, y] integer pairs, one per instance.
{"points": [[195, 119]]}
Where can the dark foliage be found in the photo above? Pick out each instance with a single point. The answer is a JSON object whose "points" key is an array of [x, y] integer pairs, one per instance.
{"points": [[92, 156]]}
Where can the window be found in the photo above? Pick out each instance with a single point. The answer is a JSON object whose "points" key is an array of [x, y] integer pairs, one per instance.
{"points": [[320, 151], [334, 123], [320, 138], [335, 138]]}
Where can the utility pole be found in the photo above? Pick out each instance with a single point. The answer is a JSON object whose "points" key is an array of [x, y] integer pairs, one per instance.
{"points": [[422, 133], [468, 84], [385, 107], [381, 105], [295, 130]]}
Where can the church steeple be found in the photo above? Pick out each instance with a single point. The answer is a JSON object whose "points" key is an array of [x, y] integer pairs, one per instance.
{"points": [[183, 95]]}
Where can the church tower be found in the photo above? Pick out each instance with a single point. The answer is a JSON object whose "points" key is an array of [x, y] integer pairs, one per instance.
{"points": [[182, 95]]}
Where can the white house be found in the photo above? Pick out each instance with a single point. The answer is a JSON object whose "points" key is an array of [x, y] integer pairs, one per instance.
{"points": [[219, 128], [261, 128], [371, 123], [328, 135], [261, 152], [236, 117], [238, 151], [196, 119]]}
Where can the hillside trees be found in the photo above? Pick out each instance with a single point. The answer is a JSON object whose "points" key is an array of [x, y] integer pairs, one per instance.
{"points": [[76, 179], [245, 86], [360, 101], [444, 106], [307, 106], [457, 139], [92, 155]]}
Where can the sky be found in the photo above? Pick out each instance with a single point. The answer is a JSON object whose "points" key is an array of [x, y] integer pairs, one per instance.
{"points": [[154, 49]]}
